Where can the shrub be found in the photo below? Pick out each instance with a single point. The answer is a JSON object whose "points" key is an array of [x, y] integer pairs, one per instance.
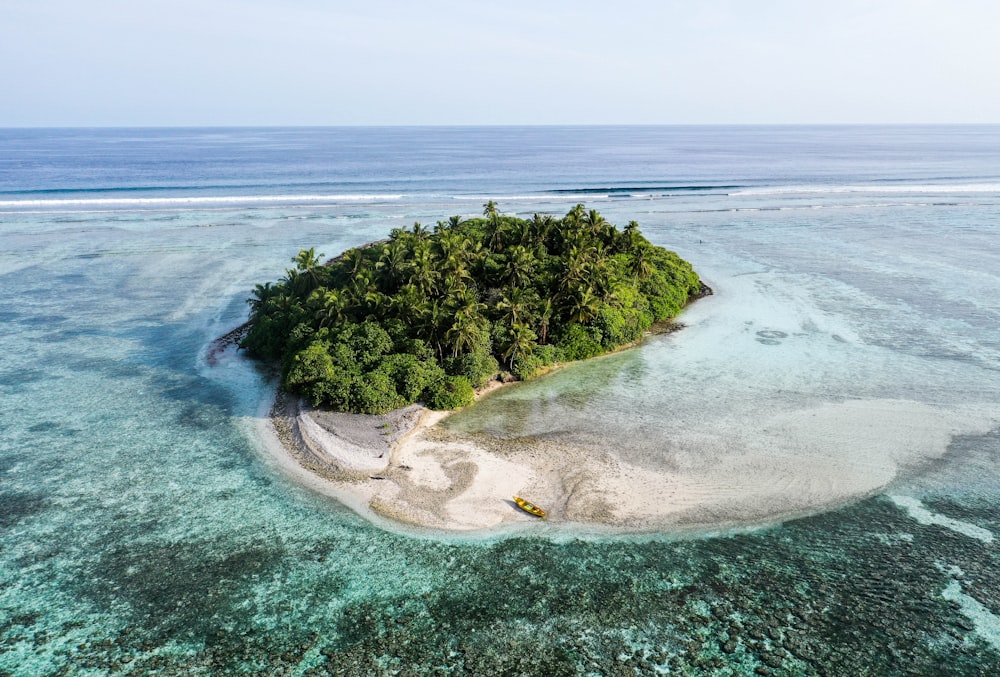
{"points": [[548, 355], [409, 374], [307, 368], [416, 347], [335, 391], [301, 336], [579, 343], [322, 373], [478, 366], [369, 342], [450, 392], [526, 366], [375, 393], [266, 338]]}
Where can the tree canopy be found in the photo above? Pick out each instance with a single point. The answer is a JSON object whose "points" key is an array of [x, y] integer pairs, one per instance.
{"points": [[427, 315]]}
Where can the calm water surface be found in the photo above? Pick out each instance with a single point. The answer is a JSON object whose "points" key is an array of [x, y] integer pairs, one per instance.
{"points": [[142, 528]]}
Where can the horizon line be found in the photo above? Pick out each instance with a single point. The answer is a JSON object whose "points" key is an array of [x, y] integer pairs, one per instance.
{"points": [[503, 125]]}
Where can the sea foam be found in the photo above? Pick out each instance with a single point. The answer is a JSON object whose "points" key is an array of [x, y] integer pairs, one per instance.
{"points": [[201, 200]]}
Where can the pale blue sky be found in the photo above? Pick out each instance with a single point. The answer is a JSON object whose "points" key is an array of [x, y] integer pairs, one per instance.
{"points": [[290, 62]]}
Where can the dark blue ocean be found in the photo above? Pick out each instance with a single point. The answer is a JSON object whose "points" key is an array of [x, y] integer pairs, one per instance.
{"points": [[828, 421]]}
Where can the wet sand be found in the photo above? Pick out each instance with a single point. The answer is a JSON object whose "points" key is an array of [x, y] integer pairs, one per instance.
{"points": [[712, 474], [409, 468]]}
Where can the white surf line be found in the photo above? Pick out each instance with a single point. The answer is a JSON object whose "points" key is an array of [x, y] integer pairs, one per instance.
{"points": [[917, 511], [201, 200], [984, 621]]}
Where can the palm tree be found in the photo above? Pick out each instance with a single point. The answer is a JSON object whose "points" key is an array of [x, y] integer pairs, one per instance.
{"points": [[356, 292], [518, 341], [464, 332], [448, 245], [376, 303], [627, 240], [307, 260], [594, 222], [423, 269], [641, 265], [575, 265], [262, 293], [332, 309], [431, 324], [393, 261], [464, 301], [542, 227], [295, 281], [513, 306], [575, 215], [544, 316], [520, 266], [494, 226], [521, 232], [407, 303], [584, 305], [599, 275], [419, 232], [354, 261]]}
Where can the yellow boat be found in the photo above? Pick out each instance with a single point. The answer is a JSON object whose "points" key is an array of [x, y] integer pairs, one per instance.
{"points": [[529, 508]]}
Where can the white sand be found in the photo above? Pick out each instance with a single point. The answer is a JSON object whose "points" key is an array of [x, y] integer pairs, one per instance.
{"points": [[337, 450], [806, 461]]}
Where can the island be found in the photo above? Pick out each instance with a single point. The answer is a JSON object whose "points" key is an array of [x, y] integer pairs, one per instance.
{"points": [[431, 315], [377, 345]]}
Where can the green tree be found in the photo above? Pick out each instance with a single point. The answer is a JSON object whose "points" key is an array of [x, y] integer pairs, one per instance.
{"points": [[381, 322], [519, 340], [494, 226], [262, 294], [332, 308], [583, 305]]}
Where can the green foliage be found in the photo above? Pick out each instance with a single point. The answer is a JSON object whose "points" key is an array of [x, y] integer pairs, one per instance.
{"points": [[478, 366], [375, 393], [309, 369], [410, 374], [450, 392], [368, 341], [580, 342], [432, 314], [532, 363]]}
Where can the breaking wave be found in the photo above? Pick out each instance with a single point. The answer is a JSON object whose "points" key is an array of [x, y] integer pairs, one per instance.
{"points": [[168, 202], [872, 188]]}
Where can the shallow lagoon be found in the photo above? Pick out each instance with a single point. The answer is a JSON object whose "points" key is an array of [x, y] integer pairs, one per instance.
{"points": [[144, 527]]}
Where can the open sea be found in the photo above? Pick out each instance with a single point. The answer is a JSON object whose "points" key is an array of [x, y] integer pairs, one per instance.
{"points": [[145, 528]]}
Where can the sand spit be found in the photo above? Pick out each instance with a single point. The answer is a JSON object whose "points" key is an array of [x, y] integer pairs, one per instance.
{"points": [[409, 468], [720, 472]]}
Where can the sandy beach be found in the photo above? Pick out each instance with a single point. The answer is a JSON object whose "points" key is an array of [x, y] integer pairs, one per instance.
{"points": [[409, 468]]}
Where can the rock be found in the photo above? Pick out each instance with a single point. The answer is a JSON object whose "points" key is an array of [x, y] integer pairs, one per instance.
{"points": [[772, 661]]}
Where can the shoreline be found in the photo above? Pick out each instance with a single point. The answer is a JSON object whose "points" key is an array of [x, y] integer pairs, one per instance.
{"points": [[405, 471], [406, 468], [436, 482]]}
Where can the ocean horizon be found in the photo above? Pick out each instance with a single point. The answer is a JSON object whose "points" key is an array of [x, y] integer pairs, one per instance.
{"points": [[836, 403]]}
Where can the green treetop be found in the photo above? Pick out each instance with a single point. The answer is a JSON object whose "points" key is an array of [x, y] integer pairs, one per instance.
{"points": [[428, 315]]}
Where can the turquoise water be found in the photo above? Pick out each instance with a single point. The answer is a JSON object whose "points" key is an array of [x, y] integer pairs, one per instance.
{"points": [[145, 528]]}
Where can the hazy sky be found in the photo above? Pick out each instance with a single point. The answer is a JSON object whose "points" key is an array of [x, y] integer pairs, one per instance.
{"points": [[346, 62]]}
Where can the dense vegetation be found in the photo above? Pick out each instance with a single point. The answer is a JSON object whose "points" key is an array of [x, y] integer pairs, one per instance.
{"points": [[428, 316]]}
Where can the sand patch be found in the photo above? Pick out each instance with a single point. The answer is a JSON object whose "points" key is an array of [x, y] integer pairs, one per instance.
{"points": [[415, 471]]}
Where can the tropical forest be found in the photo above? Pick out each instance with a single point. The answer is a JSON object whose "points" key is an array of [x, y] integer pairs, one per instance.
{"points": [[428, 315]]}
